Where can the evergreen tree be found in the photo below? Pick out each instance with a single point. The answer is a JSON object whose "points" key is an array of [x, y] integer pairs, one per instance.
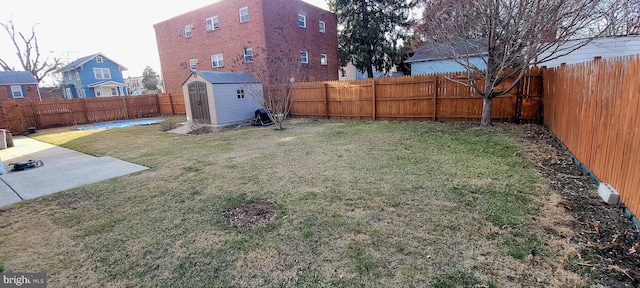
{"points": [[149, 79], [370, 32]]}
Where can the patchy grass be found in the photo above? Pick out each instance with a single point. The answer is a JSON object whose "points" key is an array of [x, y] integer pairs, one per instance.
{"points": [[360, 204]]}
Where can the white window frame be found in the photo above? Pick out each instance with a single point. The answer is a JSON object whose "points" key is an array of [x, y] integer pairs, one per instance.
{"points": [[240, 93], [304, 57], [302, 20], [322, 27], [217, 61], [77, 75], [187, 31], [246, 14], [248, 53], [323, 59], [101, 72], [70, 76], [114, 91], [16, 91], [67, 93], [99, 59], [213, 23], [192, 64]]}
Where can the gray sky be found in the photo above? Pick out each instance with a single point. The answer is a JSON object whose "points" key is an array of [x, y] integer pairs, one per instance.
{"points": [[120, 29]]}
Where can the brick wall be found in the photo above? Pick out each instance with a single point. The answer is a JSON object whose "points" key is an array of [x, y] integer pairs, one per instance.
{"points": [[272, 24], [286, 35], [32, 93]]}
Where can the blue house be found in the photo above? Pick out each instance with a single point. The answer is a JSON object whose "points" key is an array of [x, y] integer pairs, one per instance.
{"points": [[441, 58], [93, 76]]}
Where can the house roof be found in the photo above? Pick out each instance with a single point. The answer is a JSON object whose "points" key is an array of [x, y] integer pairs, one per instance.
{"points": [[219, 77], [17, 77], [441, 51], [80, 61]]}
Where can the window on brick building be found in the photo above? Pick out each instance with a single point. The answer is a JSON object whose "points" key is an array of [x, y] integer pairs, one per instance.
{"points": [[248, 55], [16, 91], [187, 31], [302, 21], [217, 61], [304, 57], [244, 14], [213, 23], [323, 59], [192, 64], [322, 27]]}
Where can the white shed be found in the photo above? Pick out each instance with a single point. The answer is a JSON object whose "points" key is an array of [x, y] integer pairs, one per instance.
{"points": [[220, 98]]}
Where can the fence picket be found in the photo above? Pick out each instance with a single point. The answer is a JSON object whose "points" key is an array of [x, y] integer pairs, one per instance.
{"points": [[593, 109]]}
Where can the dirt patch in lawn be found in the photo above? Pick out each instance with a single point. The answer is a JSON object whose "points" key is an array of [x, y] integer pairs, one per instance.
{"points": [[251, 215], [608, 240]]}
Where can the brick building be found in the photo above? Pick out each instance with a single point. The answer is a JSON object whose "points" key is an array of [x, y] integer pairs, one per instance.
{"points": [[16, 85], [230, 35]]}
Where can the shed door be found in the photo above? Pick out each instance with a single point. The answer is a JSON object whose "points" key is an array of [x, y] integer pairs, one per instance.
{"points": [[199, 102]]}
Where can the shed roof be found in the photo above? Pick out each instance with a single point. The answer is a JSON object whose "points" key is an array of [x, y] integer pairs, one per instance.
{"points": [[220, 77], [17, 77], [80, 61], [440, 51]]}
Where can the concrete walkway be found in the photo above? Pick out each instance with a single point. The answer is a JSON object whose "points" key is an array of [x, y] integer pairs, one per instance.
{"points": [[63, 169]]}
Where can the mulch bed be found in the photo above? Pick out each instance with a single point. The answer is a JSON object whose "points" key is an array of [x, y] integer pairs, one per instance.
{"points": [[608, 240]]}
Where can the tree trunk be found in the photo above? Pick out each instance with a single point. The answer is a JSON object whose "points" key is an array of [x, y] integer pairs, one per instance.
{"points": [[369, 71], [486, 112]]}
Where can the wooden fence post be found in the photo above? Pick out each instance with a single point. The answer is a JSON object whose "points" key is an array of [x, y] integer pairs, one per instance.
{"points": [[173, 111], [373, 98], [84, 111], [517, 112], [21, 115], [36, 119], [158, 108], [326, 101], [126, 110], [435, 96]]}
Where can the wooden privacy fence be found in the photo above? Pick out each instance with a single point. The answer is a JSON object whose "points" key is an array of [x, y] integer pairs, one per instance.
{"points": [[18, 116], [171, 104], [593, 109], [423, 97]]}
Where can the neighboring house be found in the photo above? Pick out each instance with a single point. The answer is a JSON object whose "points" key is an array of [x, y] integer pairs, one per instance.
{"points": [[93, 76], [135, 87], [606, 47], [439, 58], [18, 85], [230, 35], [350, 72], [218, 98]]}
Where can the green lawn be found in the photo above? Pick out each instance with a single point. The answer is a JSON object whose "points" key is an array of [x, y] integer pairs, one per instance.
{"points": [[360, 204]]}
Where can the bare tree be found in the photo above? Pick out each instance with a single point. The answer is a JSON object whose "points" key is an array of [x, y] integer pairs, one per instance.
{"points": [[28, 52], [514, 33], [278, 70], [622, 17]]}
